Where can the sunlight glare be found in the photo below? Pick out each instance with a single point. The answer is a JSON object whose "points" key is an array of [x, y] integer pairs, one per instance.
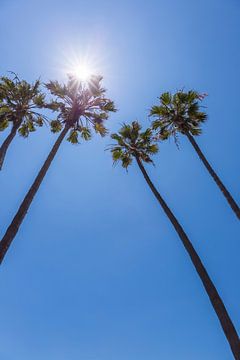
{"points": [[81, 63], [82, 72]]}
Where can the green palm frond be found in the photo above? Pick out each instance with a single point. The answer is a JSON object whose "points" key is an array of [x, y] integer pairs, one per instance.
{"points": [[73, 137], [132, 142], [39, 100], [57, 89], [178, 113], [3, 124], [85, 133], [56, 126]]}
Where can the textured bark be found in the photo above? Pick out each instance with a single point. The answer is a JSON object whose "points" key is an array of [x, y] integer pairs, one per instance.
{"points": [[7, 142], [215, 177], [215, 299], [22, 211]]}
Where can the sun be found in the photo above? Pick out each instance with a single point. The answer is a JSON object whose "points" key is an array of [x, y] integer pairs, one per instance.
{"points": [[81, 64], [82, 72]]}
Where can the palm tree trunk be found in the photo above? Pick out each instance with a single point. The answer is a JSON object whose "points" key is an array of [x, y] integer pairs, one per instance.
{"points": [[7, 142], [22, 211], [217, 303], [215, 177]]}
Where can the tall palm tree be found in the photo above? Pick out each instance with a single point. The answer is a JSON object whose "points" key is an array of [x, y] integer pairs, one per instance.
{"points": [[181, 113], [81, 106], [19, 102], [131, 144]]}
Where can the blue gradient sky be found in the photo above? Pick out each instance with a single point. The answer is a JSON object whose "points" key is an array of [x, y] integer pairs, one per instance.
{"points": [[96, 271]]}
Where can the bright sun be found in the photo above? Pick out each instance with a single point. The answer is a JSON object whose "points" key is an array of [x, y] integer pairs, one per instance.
{"points": [[81, 66], [82, 72]]}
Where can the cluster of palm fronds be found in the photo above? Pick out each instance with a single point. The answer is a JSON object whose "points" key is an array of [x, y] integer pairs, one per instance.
{"points": [[78, 104]]}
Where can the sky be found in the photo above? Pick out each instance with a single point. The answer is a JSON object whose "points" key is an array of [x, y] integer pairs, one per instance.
{"points": [[96, 271]]}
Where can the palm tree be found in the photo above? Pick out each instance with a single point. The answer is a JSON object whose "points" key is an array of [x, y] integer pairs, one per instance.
{"points": [[131, 144], [180, 113], [19, 101], [81, 106]]}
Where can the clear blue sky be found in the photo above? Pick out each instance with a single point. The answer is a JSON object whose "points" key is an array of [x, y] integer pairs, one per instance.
{"points": [[96, 271]]}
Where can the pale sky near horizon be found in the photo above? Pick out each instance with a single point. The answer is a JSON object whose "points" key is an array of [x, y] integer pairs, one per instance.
{"points": [[96, 271]]}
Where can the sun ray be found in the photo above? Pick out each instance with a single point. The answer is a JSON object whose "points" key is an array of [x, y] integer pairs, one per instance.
{"points": [[81, 65]]}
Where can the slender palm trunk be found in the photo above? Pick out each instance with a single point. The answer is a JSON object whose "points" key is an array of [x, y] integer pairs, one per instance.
{"points": [[217, 303], [215, 177], [7, 142], [22, 211]]}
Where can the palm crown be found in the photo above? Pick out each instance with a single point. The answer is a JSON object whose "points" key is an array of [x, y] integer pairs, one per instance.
{"points": [[179, 112], [131, 142], [18, 103], [80, 105]]}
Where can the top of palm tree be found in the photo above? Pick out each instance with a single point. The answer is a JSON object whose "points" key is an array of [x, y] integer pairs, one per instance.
{"points": [[18, 103], [132, 142], [80, 105], [179, 112]]}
